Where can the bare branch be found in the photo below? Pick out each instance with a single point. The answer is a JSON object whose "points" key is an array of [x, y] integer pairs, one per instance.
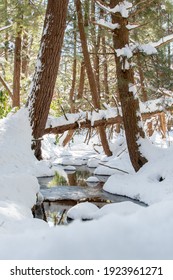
{"points": [[6, 86], [5, 27]]}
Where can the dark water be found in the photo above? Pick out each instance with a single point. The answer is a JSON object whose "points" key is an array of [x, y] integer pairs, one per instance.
{"points": [[62, 192]]}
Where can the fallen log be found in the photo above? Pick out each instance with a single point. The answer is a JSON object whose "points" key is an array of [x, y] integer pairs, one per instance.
{"points": [[92, 120], [84, 124]]}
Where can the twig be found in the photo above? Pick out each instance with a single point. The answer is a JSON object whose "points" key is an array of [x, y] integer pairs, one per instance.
{"points": [[64, 112], [121, 152], [6, 86], [114, 168], [44, 213], [92, 106], [60, 220]]}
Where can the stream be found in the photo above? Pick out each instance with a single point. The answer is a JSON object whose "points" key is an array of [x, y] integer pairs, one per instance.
{"points": [[67, 188]]}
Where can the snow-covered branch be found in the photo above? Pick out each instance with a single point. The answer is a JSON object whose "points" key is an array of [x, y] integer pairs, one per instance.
{"points": [[104, 117], [122, 8], [163, 41], [106, 24], [5, 27]]}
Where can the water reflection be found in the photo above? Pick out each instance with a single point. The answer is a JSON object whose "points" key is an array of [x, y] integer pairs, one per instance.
{"points": [[73, 178]]}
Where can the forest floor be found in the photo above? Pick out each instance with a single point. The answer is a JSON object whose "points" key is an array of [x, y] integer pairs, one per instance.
{"points": [[121, 230]]}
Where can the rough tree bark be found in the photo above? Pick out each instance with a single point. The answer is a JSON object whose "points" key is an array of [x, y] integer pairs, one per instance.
{"points": [[46, 70], [126, 85]]}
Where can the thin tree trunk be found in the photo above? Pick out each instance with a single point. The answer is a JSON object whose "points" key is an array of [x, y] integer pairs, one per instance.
{"points": [[17, 67], [96, 45], [44, 79], [141, 76], [90, 74], [72, 90], [81, 80], [6, 32], [25, 54], [105, 68]]}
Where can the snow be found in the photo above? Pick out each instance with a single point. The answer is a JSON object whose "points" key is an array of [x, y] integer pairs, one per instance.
{"points": [[159, 104], [89, 211], [82, 211], [107, 24], [117, 231], [93, 162], [92, 179], [15, 132], [70, 168], [126, 52], [122, 8], [163, 40], [133, 89], [148, 49]]}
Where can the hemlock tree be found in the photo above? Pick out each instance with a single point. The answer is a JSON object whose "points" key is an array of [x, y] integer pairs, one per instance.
{"points": [[132, 119], [46, 70]]}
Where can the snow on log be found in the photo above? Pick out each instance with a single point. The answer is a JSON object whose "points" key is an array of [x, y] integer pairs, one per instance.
{"points": [[84, 124], [105, 117]]}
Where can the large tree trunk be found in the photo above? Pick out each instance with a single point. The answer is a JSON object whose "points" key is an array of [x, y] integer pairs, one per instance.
{"points": [[46, 70], [90, 74], [128, 95]]}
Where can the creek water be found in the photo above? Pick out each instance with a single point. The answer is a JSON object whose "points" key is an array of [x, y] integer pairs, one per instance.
{"points": [[68, 188]]}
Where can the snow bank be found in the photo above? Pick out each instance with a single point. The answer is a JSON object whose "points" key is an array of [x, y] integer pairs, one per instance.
{"points": [[83, 210], [145, 234], [152, 183], [118, 231], [15, 147], [18, 184]]}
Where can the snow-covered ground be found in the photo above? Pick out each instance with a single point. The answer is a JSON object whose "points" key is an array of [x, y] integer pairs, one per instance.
{"points": [[118, 231]]}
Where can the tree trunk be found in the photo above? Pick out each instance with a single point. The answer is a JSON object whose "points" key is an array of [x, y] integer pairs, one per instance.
{"points": [[46, 70], [141, 76], [72, 90], [128, 95], [81, 80], [105, 68], [95, 36], [6, 32], [25, 54], [90, 74], [17, 67]]}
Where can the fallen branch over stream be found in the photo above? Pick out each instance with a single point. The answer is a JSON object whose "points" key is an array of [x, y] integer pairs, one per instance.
{"points": [[111, 167], [84, 124], [105, 117]]}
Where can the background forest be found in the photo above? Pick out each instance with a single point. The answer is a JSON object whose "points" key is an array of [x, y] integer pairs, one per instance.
{"points": [[20, 34]]}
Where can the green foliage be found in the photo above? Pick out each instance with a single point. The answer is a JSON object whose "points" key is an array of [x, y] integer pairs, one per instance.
{"points": [[155, 21], [57, 180], [4, 106]]}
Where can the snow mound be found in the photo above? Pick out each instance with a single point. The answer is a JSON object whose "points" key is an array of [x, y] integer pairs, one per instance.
{"points": [[92, 179], [93, 162], [70, 168], [82, 210], [15, 146]]}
